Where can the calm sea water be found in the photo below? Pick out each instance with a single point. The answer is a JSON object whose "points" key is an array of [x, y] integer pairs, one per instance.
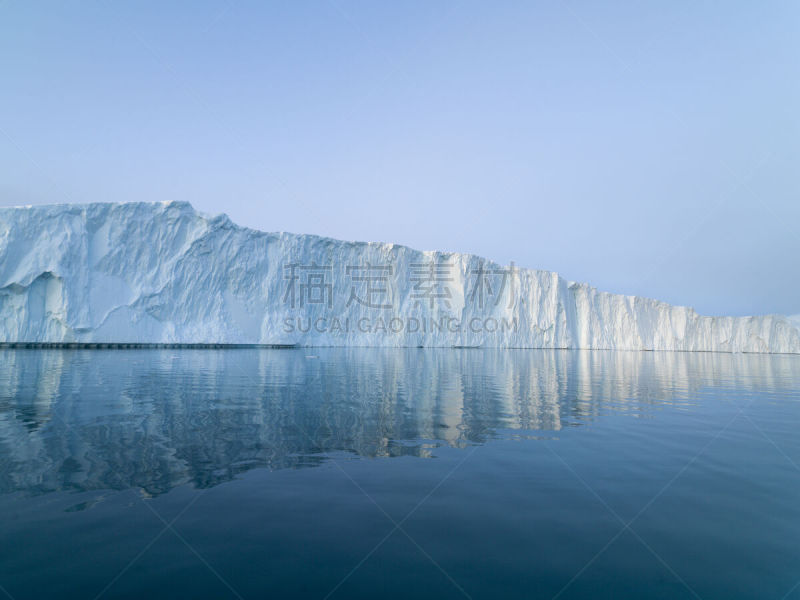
{"points": [[366, 473]]}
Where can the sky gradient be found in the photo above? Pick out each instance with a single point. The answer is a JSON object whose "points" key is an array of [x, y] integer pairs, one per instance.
{"points": [[645, 148]]}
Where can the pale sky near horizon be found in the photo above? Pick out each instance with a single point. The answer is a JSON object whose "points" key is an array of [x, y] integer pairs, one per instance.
{"points": [[645, 148]]}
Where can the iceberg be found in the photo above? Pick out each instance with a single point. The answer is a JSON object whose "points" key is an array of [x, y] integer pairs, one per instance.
{"points": [[165, 273]]}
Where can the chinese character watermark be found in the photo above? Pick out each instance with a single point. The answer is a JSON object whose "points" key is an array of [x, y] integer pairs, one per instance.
{"points": [[487, 285], [308, 284], [430, 282], [375, 289]]}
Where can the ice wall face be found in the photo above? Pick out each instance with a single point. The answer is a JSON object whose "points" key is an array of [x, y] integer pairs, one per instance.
{"points": [[165, 273]]}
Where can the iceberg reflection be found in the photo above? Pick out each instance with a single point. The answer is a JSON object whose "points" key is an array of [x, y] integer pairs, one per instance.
{"points": [[155, 419]]}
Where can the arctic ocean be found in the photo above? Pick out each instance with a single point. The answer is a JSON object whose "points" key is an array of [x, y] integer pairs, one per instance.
{"points": [[398, 473]]}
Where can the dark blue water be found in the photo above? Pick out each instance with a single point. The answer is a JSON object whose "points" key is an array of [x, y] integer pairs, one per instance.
{"points": [[368, 473]]}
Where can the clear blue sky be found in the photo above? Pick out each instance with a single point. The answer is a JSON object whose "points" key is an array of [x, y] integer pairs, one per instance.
{"points": [[647, 148]]}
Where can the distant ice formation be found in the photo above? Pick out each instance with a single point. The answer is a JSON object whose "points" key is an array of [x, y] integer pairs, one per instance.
{"points": [[164, 273]]}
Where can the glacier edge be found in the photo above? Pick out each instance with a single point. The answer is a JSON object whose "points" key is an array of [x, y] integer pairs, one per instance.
{"points": [[164, 273]]}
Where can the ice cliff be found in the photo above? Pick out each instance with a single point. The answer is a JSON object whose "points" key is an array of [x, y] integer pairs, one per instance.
{"points": [[158, 273]]}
